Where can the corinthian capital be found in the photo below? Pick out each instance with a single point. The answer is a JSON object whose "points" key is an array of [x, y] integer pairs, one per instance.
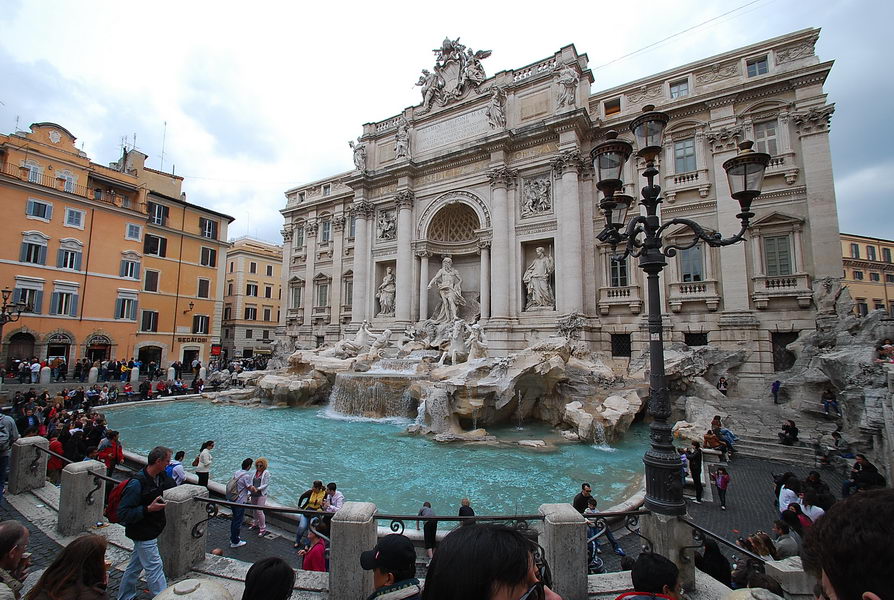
{"points": [[567, 161], [404, 199], [363, 209], [286, 235], [502, 176]]}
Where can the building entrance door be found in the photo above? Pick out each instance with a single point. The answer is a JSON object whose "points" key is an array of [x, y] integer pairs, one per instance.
{"points": [[188, 357], [148, 354], [21, 346], [57, 351]]}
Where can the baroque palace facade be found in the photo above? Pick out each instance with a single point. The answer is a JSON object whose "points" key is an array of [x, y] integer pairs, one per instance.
{"points": [[494, 174]]}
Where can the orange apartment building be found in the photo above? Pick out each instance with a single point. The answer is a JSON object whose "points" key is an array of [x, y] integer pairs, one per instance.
{"points": [[869, 272], [112, 260]]}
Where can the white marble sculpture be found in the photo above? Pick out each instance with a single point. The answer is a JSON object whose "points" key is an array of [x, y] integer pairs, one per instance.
{"points": [[456, 348], [359, 154], [386, 225], [377, 348], [449, 284], [476, 343], [536, 278], [385, 294], [496, 113], [350, 348], [537, 196], [402, 140], [432, 85], [457, 70], [568, 79]]}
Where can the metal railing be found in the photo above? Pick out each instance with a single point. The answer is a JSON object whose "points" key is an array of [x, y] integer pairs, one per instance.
{"points": [[699, 534], [98, 478]]}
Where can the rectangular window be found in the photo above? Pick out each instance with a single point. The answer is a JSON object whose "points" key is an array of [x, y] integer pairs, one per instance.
{"points": [[621, 344], [691, 264], [858, 275], [32, 298], [151, 282], [251, 313], [297, 293], [327, 189], [870, 252], [889, 278], [155, 245], [68, 259], [33, 173], [208, 228], [126, 308], [268, 291], [33, 253], [74, 218], [252, 267], [618, 273], [684, 155], [886, 255], [778, 254], [231, 267], [133, 232], [249, 334], [855, 251], [267, 314], [878, 305], [129, 269], [695, 339], [680, 88], [758, 66], [97, 193], [265, 334], [39, 210], [323, 294], [149, 321], [611, 107], [353, 227], [325, 231], [349, 292], [299, 238], [228, 313], [158, 213], [765, 137], [862, 308], [302, 196], [204, 288], [269, 270], [874, 276], [208, 257], [230, 289], [64, 303], [251, 289], [200, 324]]}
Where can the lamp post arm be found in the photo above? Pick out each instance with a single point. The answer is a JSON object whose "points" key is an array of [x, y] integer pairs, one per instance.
{"points": [[712, 238], [636, 226]]}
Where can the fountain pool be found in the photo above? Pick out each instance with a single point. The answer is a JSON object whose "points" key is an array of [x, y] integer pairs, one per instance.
{"points": [[376, 461]]}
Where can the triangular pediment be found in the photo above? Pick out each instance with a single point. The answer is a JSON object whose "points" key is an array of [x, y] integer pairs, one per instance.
{"points": [[777, 218]]}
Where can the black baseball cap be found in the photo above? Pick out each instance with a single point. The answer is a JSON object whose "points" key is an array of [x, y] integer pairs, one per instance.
{"points": [[394, 552]]}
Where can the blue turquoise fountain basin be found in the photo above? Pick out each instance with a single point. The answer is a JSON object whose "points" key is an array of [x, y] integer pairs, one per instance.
{"points": [[376, 461]]}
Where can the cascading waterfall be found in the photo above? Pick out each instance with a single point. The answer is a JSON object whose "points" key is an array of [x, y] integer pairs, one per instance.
{"points": [[374, 396], [598, 433]]}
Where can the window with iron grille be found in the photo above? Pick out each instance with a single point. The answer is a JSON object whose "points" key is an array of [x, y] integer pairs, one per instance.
{"points": [[621, 344], [695, 339]]}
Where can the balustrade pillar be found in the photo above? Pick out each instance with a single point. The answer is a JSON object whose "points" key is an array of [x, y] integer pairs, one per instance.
{"points": [[81, 497], [353, 532], [404, 277], [180, 550], [500, 178], [564, 542], [27, 464]]}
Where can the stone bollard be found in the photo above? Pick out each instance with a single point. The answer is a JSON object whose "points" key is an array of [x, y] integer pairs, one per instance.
{"points": [[791, 576], [195, 589], [669, 536], [46, 376], [77, 511], [179, 550], [203, 373], [565, 546], [353, 532], [172, 373], [93, 375], [134, 375], [28, 465]]}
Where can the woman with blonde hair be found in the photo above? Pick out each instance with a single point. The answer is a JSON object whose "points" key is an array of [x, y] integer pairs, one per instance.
{"points": [[763, 546], [78, 573], [258, 489]]}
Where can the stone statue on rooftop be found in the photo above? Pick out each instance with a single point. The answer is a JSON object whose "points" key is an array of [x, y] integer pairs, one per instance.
{"points": [[568, 79], [402, 140], [359, 154]]}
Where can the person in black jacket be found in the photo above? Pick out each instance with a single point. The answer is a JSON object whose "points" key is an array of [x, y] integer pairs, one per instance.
{"points": [[714, 563], [695, 468], [142, 511]]}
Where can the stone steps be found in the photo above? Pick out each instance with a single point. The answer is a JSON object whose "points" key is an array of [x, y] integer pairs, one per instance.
{"points": [[767, 449]]}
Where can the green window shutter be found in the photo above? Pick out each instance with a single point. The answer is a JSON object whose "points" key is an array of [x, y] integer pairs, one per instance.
{"points": [[23, 252], [163, 247], [60, 258], [133, 311], [74, 305], [54, 303], [122, 269], [118, 308], [78, 256], [42, 255], [38, 302]]}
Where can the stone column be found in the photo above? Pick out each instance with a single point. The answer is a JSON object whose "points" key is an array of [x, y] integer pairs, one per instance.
{"points": [[27, 464], [179, 550], [336, 288], [310, 239], [569, 263], [285, 269], [757, 257], [669, 535], [564, 543], [172, 373], [783, 134], [404, 276], [484, 248], [360, 305], [423, 284], [353, 532], [78, 509], [500, 179]]}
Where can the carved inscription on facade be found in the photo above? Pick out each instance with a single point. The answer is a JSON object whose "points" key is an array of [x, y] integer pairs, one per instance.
{"points": [[475, 167], [452, 130]]}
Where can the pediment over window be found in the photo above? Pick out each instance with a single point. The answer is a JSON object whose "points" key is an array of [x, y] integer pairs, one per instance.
{"points": [[776, 218]]}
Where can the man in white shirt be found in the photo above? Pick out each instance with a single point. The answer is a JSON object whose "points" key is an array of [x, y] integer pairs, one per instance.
{"points": [[35, 372], [243, 482], [333, 500], [175, 468]]}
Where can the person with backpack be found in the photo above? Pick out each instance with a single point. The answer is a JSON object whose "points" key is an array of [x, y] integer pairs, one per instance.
{"points": [[111, 452], [137, 503], [238, 490], [175, 469], [9, 433]]}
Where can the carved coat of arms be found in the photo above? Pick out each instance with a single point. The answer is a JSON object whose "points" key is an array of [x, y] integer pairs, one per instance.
{"points": [[457, 70]]}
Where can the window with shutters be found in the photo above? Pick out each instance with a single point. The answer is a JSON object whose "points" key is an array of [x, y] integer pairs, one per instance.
{"points": [[69, 259], [208, 228], [778, 255], [150, 283], [228, 313], [149, 321], [200, 323], [68, 180], [74, 218], [35, 173], [326, 231], [158, 213], [34, 253], [126, 308], [886, 255], [874, 276], [129, 269], [251, 289], [269, 271], [36, 209], [870, 253], [252, 267], [208, 257], [133, 232], [855, 250], [32, 297], [204, 288], [64, 303], [858, 275], [155, 245], [251, 313]]}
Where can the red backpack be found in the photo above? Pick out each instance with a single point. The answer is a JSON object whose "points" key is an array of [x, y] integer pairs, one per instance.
{"points": [[111, 510]]}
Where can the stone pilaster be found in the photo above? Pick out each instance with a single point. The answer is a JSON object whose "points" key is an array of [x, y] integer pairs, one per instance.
{"points": [[569, 266], [310, 239], [404, 278], [500, 178], [336, 289], [484, 251], [423, 284], [285, 268], [362, 255]]}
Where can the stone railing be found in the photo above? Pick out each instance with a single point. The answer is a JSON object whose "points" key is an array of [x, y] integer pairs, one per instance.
{"points": [[543, 67], [796, 285], [694, 291], [628, 296]]}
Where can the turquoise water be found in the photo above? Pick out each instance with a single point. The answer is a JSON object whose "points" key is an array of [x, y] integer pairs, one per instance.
{"points": [[377, 462]]}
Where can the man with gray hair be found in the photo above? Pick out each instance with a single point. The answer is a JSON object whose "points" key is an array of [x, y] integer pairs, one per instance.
{"points": [[142, 512], [14, 561]]}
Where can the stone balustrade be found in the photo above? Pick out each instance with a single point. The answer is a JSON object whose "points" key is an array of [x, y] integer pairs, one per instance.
{"points": [[627, 296]]}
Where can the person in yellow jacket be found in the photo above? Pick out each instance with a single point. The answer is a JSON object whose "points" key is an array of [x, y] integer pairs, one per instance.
{"points": [[312, 499]]}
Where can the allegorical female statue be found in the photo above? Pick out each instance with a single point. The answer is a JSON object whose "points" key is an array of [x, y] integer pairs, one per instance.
{"points": [[449, 284], [536, 278], [385, 294]]}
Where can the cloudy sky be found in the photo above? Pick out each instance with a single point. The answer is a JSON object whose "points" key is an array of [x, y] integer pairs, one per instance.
{"points": [[259, 97]]}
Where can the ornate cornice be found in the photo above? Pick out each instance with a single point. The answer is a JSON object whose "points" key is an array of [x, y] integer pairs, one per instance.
{"points": [[404, 199], [502, 176]]}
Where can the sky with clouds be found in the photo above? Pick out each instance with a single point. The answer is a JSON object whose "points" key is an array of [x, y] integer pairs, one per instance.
{"points": [[261, 97]]}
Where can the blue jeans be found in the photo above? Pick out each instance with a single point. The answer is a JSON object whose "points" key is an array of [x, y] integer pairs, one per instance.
{"points": [[145, 557], [236, 524], [4, 471], [303, 524]]}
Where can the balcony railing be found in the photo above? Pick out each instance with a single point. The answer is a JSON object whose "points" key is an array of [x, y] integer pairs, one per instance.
{"points": [[796, 285], [693, 291], [62, 185], [628, 296]]}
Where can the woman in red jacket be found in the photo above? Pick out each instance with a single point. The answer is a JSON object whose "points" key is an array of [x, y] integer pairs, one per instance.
{"points": [[54, 464], [111, 452], [315, 557]]}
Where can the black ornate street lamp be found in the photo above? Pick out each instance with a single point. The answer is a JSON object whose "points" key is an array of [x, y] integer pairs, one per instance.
{"points": [[641, 237], [10, 312]]}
